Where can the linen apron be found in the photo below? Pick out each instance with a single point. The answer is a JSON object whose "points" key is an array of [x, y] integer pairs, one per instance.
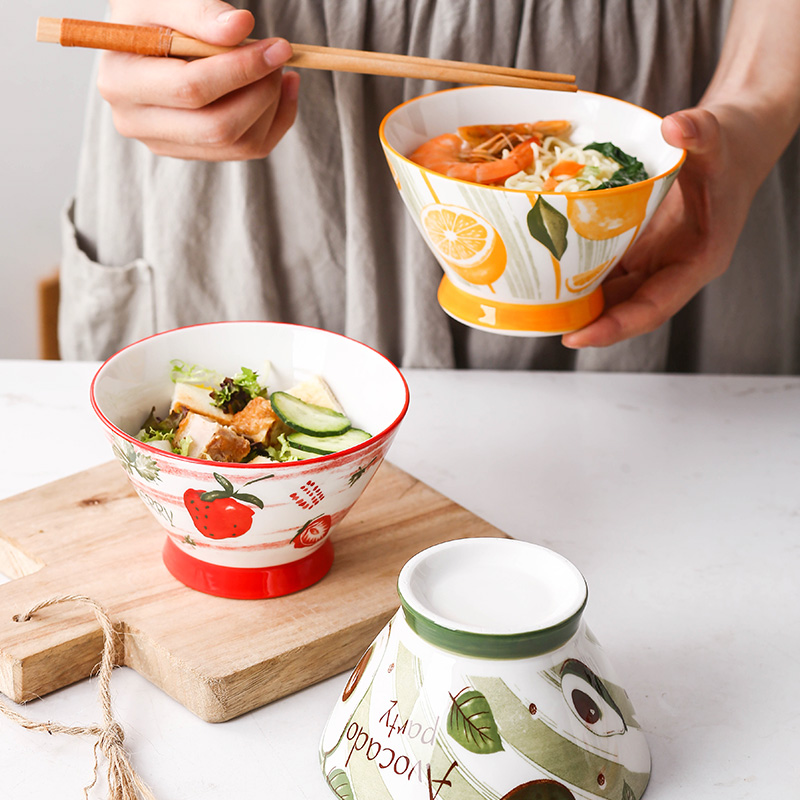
{"points": [[316, 233]]}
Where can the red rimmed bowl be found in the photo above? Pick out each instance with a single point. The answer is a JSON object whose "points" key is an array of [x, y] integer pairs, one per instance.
{"points": [[266, 532], [523, 262]]}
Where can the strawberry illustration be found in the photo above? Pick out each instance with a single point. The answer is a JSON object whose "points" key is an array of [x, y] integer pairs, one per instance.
{"points": [[221, 513], [315, 530]]}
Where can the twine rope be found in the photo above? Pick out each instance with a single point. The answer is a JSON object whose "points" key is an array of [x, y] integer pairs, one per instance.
{"points": [[123, 782]]}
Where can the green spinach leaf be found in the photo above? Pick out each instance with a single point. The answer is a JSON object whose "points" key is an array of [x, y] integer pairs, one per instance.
{"points": [[631, 170]]}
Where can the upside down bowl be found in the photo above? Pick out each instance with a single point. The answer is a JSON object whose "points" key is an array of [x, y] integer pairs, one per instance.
{"points": [[486, 685]]}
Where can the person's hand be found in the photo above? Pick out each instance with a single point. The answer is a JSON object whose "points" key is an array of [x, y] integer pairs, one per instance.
{"points": [[229, 107], [691, 238]]}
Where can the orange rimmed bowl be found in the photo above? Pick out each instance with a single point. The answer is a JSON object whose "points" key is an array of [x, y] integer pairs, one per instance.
{"points": [[516, 262]]}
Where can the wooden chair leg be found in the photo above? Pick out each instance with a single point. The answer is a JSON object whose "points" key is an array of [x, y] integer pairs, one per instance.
{"points": [[47, 297]]}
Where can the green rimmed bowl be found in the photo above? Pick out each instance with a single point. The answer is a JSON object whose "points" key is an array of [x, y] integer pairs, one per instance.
{"points": [[487, 683]]}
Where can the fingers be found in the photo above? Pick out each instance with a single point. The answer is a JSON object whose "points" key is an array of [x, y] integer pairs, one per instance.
{"points": [[687, 244], [208, 139], [126, 81], [695, 130], [232, 106], [636, 304], [286, 112], [210, 20]]}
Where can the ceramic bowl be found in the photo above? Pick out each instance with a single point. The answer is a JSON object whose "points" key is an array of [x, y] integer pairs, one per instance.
{"points": [[487, 683], [541, 257], [271, 534]]}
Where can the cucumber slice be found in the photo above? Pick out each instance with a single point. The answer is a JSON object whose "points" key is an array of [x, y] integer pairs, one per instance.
{"points": [[323, 445], [301, 455], [307, 417]]}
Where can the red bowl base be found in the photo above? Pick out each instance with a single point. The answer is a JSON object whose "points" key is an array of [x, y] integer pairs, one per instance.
{"points": [[246, 583]]}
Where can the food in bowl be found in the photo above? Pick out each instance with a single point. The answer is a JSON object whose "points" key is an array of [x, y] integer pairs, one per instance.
{"points": [[260, 528], [236, 419], [522, 261], [538, 156]]}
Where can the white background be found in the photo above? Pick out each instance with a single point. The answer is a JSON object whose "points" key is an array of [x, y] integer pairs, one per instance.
{"points": [[43, 89]]}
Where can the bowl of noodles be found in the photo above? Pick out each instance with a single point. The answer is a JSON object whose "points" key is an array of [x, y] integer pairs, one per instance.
{"points": [[527, 198]]}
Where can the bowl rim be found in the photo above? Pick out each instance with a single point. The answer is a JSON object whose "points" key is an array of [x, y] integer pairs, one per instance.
{"points": [[584, 193], [476, 640], [233, 465]]}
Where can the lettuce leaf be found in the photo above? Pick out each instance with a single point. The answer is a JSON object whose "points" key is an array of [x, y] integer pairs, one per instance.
{"points": [[190, 373], [235, 393]]}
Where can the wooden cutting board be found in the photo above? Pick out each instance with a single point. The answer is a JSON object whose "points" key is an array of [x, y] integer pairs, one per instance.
{"points": [[89, 534]]}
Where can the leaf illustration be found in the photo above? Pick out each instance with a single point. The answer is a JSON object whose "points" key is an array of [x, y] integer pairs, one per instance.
{"points": [[224, 482], [210, 497], [262, 478], [338, 781], [627, 792], [549, 227], [249, 498], [228, 491], [471, 723]]}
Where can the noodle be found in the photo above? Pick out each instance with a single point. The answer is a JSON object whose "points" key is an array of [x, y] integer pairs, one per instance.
{"points": [[535, 156], [553, 150]]}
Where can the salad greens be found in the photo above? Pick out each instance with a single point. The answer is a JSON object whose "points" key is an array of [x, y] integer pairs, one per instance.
{"points": [[182, 372], [267, 428], [231, 394], [156, 429], [631, 169], [283, 451]]}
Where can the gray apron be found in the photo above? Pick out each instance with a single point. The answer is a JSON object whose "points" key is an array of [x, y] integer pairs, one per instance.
{"points": [[317, 234]]}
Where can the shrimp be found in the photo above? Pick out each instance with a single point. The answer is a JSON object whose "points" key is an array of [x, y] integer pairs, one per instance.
{"points": [[487, 154], [450, 155], [475, 135]]}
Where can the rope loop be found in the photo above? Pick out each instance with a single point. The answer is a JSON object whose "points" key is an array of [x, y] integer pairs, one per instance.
{"points": [[123, 782]]}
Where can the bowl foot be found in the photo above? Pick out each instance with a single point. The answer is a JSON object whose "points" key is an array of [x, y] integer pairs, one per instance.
{"points": [[246, 583], [519, 319]]}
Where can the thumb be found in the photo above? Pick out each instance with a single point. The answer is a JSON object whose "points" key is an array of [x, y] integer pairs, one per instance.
{"points": [[212, 21], [695, 130]]}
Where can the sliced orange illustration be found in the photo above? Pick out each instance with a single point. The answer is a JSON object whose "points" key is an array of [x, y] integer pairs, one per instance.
{"points": [[581, 281], [465, 241], [603, 216]]}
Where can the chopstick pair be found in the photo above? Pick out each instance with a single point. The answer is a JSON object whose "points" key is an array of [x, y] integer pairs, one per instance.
{"points": [[160, 41]]}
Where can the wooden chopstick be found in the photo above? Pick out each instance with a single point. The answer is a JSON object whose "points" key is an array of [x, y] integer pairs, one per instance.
{"points": [[340, 60], [160, 41]]}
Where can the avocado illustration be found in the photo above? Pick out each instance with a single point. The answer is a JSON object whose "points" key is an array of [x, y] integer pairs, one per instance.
{"points": [[544, 789]]}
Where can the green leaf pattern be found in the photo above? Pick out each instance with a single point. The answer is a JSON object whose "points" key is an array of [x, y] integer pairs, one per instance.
{"points": [[472, 724], [229, 491], [627, 792], [549, 227], [133, 461], [338, 781]]}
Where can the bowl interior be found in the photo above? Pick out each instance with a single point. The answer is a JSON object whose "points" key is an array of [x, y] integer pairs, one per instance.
{"points": [[370, 388], [595, 118]]}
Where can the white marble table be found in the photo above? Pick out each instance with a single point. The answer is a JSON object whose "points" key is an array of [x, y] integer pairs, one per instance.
{"points": [[678, 498]]}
